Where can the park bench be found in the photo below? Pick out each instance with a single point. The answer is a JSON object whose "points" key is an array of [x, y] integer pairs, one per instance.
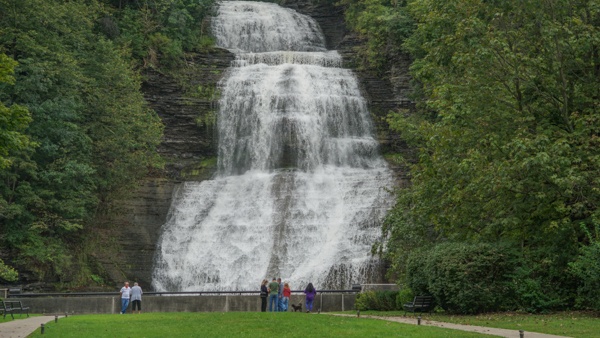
{"points": [[419, 304], [6, 309], [17, 305]]}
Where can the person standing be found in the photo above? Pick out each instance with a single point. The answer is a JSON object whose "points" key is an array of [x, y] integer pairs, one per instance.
{"points": [[125, 294], [136, 298], [310, 293], [264, 292], [273, 294], [287, 292], [280, 295]]}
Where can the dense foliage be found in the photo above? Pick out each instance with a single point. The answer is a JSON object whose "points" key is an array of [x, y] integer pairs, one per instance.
{"points": [[75, 130], [384, 25], [377, 301], [507, 133], [13, 119], [466, 278], [587, 268], [159, 31]]}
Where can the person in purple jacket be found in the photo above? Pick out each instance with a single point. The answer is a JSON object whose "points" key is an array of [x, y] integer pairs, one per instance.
{"points": [[310, 293]]}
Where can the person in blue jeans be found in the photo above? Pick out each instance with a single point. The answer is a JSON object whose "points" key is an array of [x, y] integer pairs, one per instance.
{"points": [[280, 295], [273, 295], [287, 292], [125, 294]]}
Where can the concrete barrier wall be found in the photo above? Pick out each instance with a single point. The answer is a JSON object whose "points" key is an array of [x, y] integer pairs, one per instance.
{"points": [[326, 302]]}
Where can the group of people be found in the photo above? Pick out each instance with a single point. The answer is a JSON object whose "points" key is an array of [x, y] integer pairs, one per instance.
{"points": [[279, 293], [134, 295]]}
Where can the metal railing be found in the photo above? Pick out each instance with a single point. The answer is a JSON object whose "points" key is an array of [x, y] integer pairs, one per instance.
{"points": [[168, 293]]}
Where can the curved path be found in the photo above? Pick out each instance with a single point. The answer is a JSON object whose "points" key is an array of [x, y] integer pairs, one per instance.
{"points": [[479, 329]]}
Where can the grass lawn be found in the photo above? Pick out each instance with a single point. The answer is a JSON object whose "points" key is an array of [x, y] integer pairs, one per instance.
{"points": [[571, 324], [236, 324]]}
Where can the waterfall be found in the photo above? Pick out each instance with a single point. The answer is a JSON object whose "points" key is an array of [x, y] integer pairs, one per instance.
{"points": [[300, 190]]}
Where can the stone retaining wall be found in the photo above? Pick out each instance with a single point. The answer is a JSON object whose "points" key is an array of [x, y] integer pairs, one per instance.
{"points": [[204, 303]]}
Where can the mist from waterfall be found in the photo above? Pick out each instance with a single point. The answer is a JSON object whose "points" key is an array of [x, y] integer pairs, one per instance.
{"points": [[300, 190]]}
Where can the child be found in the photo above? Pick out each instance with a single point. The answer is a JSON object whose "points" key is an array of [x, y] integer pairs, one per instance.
{"points": [[287, 292]]}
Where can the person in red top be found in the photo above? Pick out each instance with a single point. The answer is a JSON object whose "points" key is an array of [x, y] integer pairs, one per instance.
{"points": [[287, 292]]}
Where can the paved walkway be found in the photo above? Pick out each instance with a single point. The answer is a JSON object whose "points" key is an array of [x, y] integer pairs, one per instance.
{"points": [[20, 328], [480, 329]]}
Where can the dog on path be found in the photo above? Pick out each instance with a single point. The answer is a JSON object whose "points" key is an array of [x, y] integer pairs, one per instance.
{"points": [[297, 307]]}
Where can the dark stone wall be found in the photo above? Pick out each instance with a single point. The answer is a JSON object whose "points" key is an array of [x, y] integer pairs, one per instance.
{"points": [[189, 146], [136, 231], [327, 302], [186, 101], [329, 17]]}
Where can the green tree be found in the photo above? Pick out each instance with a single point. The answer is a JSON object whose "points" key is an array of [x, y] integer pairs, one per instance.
{"points": [[507, 128], [123, 130], [13, 119], [13, 122], [8, 273], [160, 32], [587, 269], [95, 133], [383, 24]]}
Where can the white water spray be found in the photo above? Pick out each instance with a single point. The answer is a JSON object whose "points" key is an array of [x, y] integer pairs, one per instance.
{"points": [[300, 190]]}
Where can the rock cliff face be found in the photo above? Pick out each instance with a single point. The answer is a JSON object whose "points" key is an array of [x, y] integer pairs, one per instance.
{"points": [[186, 103], [384, 92]]}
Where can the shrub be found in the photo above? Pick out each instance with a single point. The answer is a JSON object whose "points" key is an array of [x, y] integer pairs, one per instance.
{"points": [[534, 294], [376, 300], [465, 278], [8, 273], [405, 295], [386, 300], [416, 273], [364, 300], [587, 269]]}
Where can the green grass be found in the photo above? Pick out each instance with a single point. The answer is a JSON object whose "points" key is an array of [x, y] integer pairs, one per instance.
{"points": [[237, 324], [571, 324]]}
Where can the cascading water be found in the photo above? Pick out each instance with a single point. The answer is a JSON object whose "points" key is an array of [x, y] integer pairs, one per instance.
{"points": [[300, 190]]}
